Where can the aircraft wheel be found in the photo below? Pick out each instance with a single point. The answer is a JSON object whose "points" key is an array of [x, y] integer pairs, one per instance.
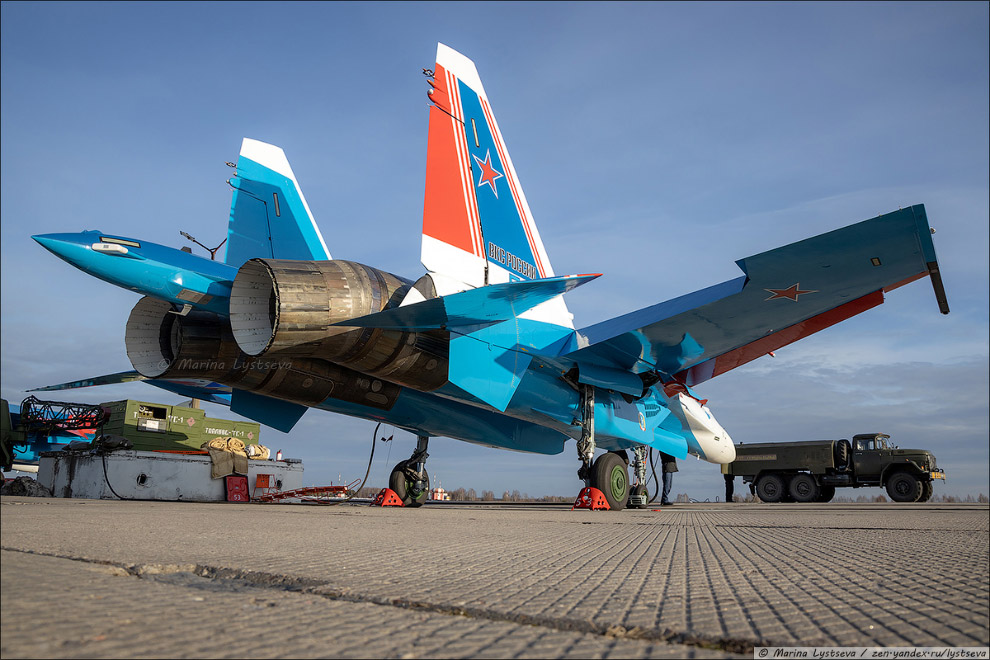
{"points": [[904, 487], [803, 488], [826, 493], [610, 475], [621, 453], [402, 485], [642, 492], [770, 488], [927, 489]]}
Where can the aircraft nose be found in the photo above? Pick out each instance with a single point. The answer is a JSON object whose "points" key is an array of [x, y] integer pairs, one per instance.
{"points": [[73, 248]]}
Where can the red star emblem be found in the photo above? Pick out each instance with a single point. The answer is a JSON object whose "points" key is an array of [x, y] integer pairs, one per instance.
{"points": [[488, 173], [791, 293]]}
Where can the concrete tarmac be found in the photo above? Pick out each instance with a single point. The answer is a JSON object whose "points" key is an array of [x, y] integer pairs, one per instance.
{"points": [[91, 578]]}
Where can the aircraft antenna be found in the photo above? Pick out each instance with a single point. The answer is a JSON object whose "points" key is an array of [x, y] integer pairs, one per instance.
{"points": [[213, 252]]}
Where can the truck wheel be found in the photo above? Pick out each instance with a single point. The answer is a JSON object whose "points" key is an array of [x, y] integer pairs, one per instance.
{"points": [[803, 488], [826, 493], [770, 488], [926, 492], [903, 487]]}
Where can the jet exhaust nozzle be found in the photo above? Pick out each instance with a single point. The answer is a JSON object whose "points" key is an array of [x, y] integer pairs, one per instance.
{"points": [[201, 345], [287, 308]]}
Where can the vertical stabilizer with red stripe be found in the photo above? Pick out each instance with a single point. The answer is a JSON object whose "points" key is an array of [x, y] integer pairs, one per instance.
{"points": [[477, 225]]}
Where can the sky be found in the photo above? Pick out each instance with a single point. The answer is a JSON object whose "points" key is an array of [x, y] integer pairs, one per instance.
{"points": [[657, 144]]}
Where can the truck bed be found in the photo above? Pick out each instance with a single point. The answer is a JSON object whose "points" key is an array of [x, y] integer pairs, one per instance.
{"points": [[813, 455]]}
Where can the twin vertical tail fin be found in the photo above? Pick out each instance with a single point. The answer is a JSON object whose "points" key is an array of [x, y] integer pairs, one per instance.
{"points": [[478, 230], [269, 216], [477, 225]]}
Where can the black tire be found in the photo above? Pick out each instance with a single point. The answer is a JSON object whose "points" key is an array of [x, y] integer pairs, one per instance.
{"points": [[770, 488], [402, 486], [826, 493], [803, 488], [639, 490], [621, 453], [927, 490], [610, 474], [904, 487]]}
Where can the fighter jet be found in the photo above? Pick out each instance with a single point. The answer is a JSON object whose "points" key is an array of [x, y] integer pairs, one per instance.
{"points": [[481, 348]]}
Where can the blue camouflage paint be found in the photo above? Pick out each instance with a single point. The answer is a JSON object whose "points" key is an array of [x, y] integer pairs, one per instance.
{"points": [[151, 269], [260, 228]]}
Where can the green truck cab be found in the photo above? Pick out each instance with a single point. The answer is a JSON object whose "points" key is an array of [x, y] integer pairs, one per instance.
{"points": [[811, 471]]}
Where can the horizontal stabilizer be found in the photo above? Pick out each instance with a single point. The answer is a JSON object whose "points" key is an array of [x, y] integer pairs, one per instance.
{"points": [[109, 379], [490, 304], [276, 413], [204, 390], [269, 216], [787, 294]]}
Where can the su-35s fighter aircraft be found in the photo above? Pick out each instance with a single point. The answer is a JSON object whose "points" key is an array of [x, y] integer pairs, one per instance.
{"points": [[481, 348]]}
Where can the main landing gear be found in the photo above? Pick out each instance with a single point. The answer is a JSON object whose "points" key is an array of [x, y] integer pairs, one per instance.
{"points": [[409, 479], [639, 496], [609, 473]]}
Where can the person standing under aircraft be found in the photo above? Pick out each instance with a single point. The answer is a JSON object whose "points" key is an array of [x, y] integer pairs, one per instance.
{"points": [[669, 468]]}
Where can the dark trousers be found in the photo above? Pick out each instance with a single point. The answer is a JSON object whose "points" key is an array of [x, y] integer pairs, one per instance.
{"points": [[668, 479], [729, 486]]}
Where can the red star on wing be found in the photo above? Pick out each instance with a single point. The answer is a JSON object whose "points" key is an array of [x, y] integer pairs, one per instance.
{"points": [[791, 293], [488, 173]]}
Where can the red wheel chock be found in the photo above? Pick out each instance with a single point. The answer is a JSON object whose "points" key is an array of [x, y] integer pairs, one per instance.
{"points": [[387, 497], [591, 498]]}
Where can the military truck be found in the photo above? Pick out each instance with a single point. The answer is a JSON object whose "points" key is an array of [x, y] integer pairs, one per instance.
{"points": [[811, 471]]}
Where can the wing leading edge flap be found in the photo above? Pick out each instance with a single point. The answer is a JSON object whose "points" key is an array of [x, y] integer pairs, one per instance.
{"points": [[788, 293], [489, 304]]}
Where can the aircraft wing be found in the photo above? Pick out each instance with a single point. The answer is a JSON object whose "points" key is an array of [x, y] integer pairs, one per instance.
{"points": [[785, 294]]}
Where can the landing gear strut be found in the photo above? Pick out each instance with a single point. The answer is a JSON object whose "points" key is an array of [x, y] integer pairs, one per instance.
{"points": [[586, 445], [409, 479], [639, 497], [609, 473]]}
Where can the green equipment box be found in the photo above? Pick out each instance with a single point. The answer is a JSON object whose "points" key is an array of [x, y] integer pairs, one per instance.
{"points": [[151, 426]]}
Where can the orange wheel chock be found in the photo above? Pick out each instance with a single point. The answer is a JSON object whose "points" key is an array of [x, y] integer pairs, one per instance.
{"points": [[387, 497], [591, 498]]}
